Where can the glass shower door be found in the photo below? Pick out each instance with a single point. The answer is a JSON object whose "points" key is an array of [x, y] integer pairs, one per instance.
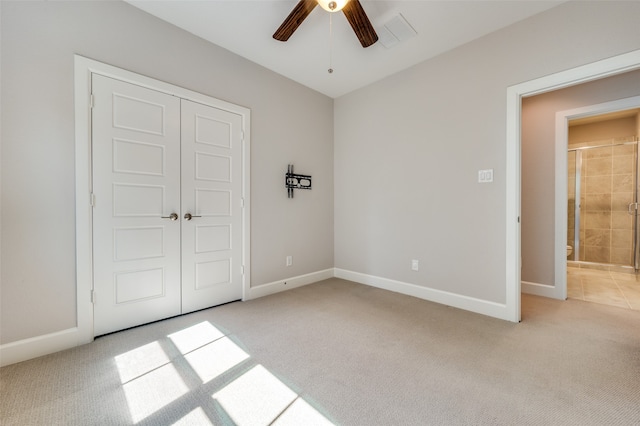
{"points": [[624, 205], [602, 204]]}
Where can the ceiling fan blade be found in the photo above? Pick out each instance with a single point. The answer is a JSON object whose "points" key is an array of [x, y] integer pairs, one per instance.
{"points": [[360, 23], [295, 18]]}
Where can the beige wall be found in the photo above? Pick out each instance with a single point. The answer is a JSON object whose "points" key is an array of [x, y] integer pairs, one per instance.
{"points": [[406, 166], [618, 128], [39, 40], [538, 165]]}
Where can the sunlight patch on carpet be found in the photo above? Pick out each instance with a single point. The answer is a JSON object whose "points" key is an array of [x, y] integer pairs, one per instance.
{"points": [[195, 417], [301, 413], [259, 398], [153, 378], [212, 360], [153, 391], [140, 361], [195, 337], [255, 398]]}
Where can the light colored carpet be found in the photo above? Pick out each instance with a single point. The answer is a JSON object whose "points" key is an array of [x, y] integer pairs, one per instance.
{"points": [[343, 353]]}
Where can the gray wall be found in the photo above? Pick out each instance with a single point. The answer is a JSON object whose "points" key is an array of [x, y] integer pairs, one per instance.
{"points": [[408, 150], [39, 40], [538, 165]]}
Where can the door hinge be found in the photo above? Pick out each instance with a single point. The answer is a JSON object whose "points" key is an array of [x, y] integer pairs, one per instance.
{"points": [[92, 199], [242, 202], [91, 101], [242, 135], [93, 297], [242, 270]]}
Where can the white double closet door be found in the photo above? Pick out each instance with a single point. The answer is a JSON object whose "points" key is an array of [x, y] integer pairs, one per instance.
{"points": [[167, 218]]}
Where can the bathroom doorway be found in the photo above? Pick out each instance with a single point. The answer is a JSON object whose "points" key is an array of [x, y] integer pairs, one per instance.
{"points": [[603, 250]]}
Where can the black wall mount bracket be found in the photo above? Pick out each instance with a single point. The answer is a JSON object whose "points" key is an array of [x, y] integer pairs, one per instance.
{"points": [[293, 181]]}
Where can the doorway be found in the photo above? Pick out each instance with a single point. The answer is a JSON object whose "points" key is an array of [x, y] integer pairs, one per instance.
{"points": [[607, 67], [602, 221], [602, 200]]}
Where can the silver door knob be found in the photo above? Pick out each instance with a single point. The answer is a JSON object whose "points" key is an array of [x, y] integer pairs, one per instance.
{"points": [[172, 216], [188, 216]]}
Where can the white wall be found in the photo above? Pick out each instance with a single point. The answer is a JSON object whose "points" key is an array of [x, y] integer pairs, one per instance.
{"points": [[538, 165], [408, 150], [39, 40]]}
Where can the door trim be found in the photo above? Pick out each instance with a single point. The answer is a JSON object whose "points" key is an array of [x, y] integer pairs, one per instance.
{"points": [[607, 67], [83, 69]]}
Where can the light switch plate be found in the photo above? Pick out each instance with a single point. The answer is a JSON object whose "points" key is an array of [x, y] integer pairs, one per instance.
{"points": [[485, 176]]}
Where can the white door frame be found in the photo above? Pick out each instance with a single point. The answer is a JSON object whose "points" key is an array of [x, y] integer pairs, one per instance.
{"points": [[559, 291], [84, 67], [594, 71]]}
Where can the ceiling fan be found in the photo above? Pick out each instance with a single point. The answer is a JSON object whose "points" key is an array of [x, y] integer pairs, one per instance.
{"points": [[352, 10]]}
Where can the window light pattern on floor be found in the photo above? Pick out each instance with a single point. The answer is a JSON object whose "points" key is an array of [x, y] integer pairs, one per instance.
{"points": [[157, 377]]}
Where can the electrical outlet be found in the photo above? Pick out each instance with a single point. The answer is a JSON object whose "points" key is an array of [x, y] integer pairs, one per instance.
{"points": [[415, 265], [485, 176], [289, 260]]}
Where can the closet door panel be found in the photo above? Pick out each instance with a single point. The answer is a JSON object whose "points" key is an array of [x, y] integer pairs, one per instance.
{"points": [[211, 194], [136, 175]]}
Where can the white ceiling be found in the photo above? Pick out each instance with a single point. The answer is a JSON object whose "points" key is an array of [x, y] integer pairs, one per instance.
{"points": [[245, 27]]}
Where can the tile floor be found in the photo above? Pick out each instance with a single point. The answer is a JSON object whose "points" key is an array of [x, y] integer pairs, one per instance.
{"points": [[606, 287]]}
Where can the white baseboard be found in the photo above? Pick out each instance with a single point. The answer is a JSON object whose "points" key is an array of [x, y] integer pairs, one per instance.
{"points": [[23, 350], [34, 347], [288, 283], [543, 290], [492, 309]]}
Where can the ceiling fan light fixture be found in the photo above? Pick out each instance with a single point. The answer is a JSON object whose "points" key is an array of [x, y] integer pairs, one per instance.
{"points": [[332, 5]]}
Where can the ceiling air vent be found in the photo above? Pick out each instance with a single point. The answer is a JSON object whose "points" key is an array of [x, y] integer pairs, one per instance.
{"points": [[396, 30]]}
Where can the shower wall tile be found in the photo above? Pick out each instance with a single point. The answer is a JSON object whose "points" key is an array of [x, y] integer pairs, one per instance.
{"points": [[597, 202], [621, 238], [597, 254], [622, 164], [621, 220], [597, 237], [597, 220], [620, 201], [599, 166], [622, 183], [571, 187], [597, 184], [598, 152], [621, 256]]}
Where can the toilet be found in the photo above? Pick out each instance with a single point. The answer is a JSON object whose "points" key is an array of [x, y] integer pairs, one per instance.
{"points": [[569, 250]]}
